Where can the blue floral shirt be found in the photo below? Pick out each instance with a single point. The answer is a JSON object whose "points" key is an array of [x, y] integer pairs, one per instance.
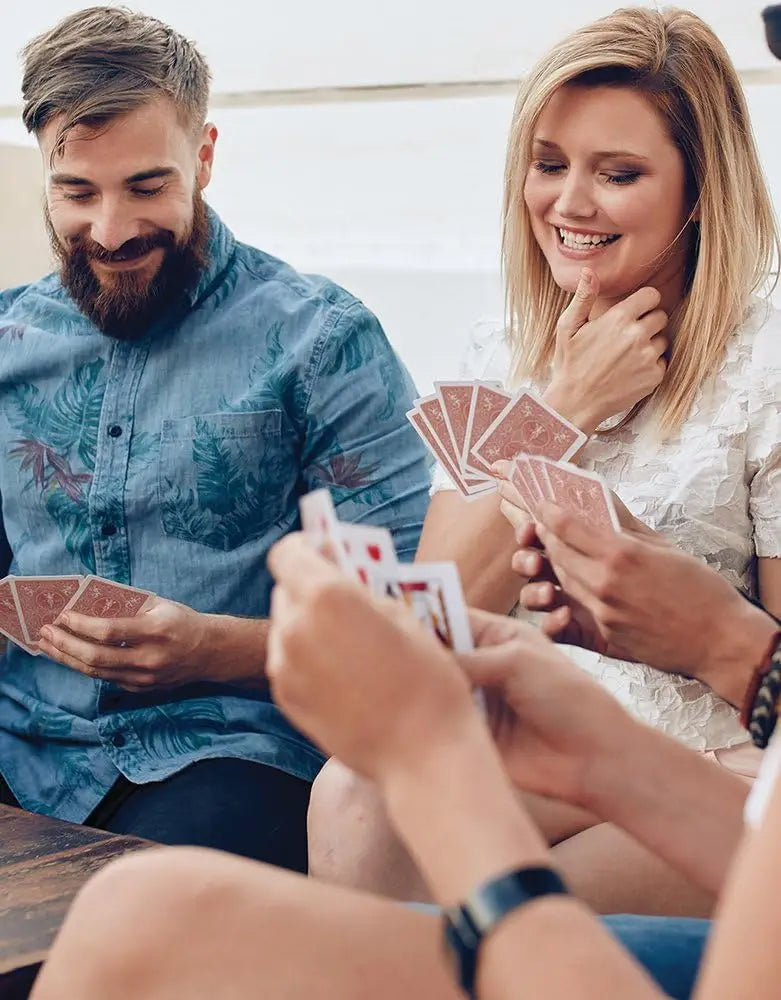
{"points": [[173, 464]]}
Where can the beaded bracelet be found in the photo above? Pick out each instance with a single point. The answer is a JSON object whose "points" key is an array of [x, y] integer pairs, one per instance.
{"points": [[764, 712]]}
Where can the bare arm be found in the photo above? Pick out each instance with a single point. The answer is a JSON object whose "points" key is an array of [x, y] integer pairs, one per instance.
{"points": [[769, 571]]}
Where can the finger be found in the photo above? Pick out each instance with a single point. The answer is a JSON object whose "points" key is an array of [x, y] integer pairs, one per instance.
{"points": [[643, 301], [302, 571], [557, 622], [526, 535], [94, 654], [502, 469], [577, 312], [542, 597], [111, 631], [578, 574], [517, 516], [571, 531], [489, 628], [533, 564]]}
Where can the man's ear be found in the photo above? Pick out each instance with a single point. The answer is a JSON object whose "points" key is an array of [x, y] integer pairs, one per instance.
{"points": [[206, 146]]}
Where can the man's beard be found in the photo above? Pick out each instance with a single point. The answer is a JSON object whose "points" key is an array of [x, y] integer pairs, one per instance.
{"points": [[129, 302]]}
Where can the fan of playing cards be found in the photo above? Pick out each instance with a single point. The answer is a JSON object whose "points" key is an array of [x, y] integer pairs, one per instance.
{"points": [[27, 603], [432, 591], [468, 426]]}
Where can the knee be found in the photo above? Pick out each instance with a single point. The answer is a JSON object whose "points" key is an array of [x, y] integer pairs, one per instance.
{"points": [[343, 808]]}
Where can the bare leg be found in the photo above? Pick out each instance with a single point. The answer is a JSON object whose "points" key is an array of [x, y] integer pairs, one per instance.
{"points": [[185, 922], [614, 874], [352, 843]]}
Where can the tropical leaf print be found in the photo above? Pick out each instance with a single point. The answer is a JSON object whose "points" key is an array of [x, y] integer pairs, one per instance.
{"points": [[13, 332], [219, 480], [183, 727], [69, 516]]}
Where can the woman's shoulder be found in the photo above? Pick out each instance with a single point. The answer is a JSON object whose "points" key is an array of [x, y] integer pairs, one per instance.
{"points": [[758, 338]]}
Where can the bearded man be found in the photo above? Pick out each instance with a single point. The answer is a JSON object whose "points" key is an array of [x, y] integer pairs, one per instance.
{"points": [[165, 399]]}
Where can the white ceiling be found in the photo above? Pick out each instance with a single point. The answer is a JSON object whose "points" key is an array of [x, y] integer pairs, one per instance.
{"points": [[312, 43]]}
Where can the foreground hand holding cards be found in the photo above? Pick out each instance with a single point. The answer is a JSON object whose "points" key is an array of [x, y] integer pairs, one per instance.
{"points": [[469, 426], [431, 591], [27, 603]]}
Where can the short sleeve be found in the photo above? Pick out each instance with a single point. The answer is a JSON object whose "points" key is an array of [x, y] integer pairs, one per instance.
{"points": [[358, 442], [764, 438], [486, 357]]}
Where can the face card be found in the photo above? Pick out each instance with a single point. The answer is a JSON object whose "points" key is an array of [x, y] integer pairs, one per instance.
{"points": [[487, 403], [530, 427], [432, 592], [456, 401], [99, 598], [425, 432], [10, 617], [584, 494], [41, 599]]}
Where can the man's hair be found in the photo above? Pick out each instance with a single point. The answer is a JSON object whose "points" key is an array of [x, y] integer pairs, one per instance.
{"points": [[106, 61]]}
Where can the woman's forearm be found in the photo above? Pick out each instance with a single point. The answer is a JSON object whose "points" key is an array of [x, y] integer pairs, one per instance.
{"points": [[686, 809]]}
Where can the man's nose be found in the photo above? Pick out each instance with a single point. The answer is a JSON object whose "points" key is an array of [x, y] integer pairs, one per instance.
{"points": [[575, 200], [113, 225]]}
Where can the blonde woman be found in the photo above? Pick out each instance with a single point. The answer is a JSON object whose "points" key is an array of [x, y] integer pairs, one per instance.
{"points": [[633, 182]]}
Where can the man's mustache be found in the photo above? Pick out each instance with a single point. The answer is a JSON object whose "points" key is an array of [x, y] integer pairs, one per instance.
{"points": [[130, 250]]}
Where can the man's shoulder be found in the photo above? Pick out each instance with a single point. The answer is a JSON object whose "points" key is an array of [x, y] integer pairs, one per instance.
{"points": [[32, 295], [275, 280]]}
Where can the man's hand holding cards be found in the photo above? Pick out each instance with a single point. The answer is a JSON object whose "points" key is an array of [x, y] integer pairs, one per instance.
{"points": [[30, 603]]}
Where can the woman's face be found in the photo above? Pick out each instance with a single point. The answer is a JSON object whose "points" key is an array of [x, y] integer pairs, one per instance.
{"points": [[607, 187]]}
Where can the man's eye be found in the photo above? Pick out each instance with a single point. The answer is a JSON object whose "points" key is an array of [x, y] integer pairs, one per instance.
{"points": [[80, 196], [548, 168], [148, 192]]}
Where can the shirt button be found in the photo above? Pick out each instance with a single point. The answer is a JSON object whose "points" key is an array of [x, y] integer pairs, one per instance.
{"points": [[118, 740], [115, 431], [108, 530]]}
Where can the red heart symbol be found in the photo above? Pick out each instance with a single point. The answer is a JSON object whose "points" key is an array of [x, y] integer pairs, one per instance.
{"points": [[375, 553]]}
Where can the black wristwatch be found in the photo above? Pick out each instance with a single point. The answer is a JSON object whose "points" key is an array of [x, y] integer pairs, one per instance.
{"points": [[466, 925]]}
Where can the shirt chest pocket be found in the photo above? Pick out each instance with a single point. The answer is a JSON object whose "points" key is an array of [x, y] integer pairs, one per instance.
{"points": [[224, 478]]}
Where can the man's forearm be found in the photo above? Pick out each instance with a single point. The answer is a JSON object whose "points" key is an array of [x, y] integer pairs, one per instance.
{"points": [[684, 808], [741, 639], [237, 650]]}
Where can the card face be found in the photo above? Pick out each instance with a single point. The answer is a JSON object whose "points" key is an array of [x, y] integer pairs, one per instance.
{"points": [[425, 432], [320, 523], [10, 617], [99, 598], [488, 402], [528, 426], [41, 600], [432, 592], [369, 549], [583, 494]]}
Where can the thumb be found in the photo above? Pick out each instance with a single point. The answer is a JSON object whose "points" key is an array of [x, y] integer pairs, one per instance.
{"points": [[577, 312], [490, 666]]}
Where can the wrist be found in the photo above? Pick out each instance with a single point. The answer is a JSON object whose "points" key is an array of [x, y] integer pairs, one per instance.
{"points": [[738, 646], [232, 650], [566, 401]]}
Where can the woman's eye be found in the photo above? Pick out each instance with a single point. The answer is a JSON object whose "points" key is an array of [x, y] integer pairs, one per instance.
{"points": [[548, 168], [625, 178]]}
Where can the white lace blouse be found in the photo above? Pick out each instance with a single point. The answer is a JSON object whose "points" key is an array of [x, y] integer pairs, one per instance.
{"points": [[714, 490]]}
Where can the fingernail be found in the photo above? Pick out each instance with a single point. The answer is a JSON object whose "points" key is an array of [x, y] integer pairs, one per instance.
{"points": [[62, 620], [46, 633]]}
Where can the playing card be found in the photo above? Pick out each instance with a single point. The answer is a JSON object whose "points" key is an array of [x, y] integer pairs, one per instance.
{"points": [[425, 432], [320, 523], [527, 493], [527, 425], [369, 549], [10, 618], [538, 469], [487, 403], [41, 599], [99, 598], [584, 494], [430, 408], [456, 402], [432, 592]]}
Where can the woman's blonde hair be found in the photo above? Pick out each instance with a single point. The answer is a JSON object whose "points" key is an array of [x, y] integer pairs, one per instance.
{"points": [[673, 58]]}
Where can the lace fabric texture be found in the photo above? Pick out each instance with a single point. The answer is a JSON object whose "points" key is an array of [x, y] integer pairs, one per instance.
{"points": [[713, 489]]}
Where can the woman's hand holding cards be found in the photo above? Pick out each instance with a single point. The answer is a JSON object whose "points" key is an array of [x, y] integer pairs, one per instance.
{"points": [[603, 367]]}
